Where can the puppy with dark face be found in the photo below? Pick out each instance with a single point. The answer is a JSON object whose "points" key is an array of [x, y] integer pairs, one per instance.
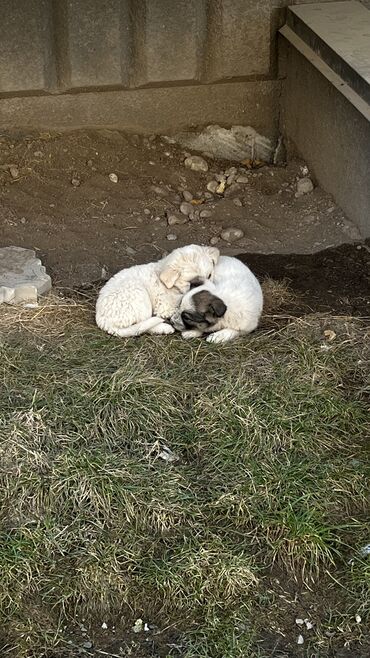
{"points": [[204, 311], [225, 308]]}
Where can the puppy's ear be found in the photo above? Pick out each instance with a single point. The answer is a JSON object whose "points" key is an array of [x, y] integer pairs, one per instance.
{"points": [[169, 276], [217, 307], [214, 253]]}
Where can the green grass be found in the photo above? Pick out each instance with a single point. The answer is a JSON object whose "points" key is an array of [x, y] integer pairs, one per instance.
{"points": [[260, 520]]}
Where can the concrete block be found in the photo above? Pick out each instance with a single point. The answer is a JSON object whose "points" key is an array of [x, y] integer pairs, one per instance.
{"points": [[239, 39], [26, 52], [153, 110], [95, 42], [22, 276], [169, 39]]}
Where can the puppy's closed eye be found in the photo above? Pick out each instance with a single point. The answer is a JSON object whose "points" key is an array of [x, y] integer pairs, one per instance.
{"points": [[217, 307]]}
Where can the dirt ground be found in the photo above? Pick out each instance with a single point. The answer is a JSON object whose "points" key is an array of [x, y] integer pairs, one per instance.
{"points": [[58, 198]]}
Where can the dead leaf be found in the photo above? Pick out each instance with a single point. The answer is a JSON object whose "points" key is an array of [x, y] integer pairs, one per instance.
{"points": [[196, 202], [330, 335], [221, 188]]}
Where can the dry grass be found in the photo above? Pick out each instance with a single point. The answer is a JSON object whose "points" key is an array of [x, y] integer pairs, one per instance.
{"points": [[268, 495]]}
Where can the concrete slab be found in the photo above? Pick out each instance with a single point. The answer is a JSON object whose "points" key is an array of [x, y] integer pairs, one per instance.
{"points": [[22, 276], [339, 32]]}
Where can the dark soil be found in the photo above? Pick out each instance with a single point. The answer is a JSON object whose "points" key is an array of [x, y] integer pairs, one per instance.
{"points": [[335, 280]]}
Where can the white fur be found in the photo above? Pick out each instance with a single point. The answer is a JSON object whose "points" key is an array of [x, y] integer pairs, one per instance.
{"points": [[240, 291], [138, 299]]}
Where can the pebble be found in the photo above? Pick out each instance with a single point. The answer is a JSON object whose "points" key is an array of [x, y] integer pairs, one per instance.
{"points": [[237, 203], [88, 644], [212, 186], [186, 208], [89, 163], [161, 191], [304, 185], [171, 237], [232, 234], [358, 619], [242, 179], [205, 213], [196, 163], [214, 240], [299, 622], [147, 211], [104, 626], [220, 177], [75, 182], [300, 639], [208, 195], [187, 195], [231, 171], [14, 171], [231, 179], [130, 251], [174, 218], [113, 178], [221, 187]]}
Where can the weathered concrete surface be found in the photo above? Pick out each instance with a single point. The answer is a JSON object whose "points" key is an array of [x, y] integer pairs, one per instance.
{"points": [[60, 49], [161, 110], [330, 133], [22, 276]]}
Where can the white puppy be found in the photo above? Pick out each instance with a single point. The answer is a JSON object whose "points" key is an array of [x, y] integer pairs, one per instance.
{"points": [[226, 308], [139, 299]]}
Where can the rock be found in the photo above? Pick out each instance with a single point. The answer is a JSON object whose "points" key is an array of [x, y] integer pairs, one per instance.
{"points": [[130, 251], [113, 178], [234, 187], [88, 644], [161, 191], [214, 240], [232, 234], [89, 163], [14, 171], [242, 179], [171, 237], [221, 187], [300, 639], [205, 214], [76, 182], [147, 211], [212, 186], [237, 144], [208, 195], [220, 177], [187, 195], [358, 619], [176, 218], [304, 185], [230, 179], [186, 208], [196, 163], [22, 276], [231, 171], [237, 203]]}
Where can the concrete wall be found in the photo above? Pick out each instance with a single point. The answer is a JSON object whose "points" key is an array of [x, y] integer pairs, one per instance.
{"points": [[151, 65], [330, 133]]}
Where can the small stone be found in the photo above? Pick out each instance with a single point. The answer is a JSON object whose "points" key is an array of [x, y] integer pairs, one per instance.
{"points": [[309, 624], [205, 213], [147, 211], [231, 179], [113, 178], [161, 191], [358, 619], [304, 186], [212, 186], [187, 195], [221, 187], [171, 237], [76, 182], [130, 251], [138, 626], [220, 177], [186, 208], [23, 220], [237, 203], [14, 171], [104, 626], [231, 171], [300, 639], [176, 218], [89, 163], [88, 644], [299, 622], [242, 179], [232, 234], [208, 195], [214, 240], [22, 276], [304, 170], [196, 163]]}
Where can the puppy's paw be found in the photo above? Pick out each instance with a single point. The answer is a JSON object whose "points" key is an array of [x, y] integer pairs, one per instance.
{"points": [[222, 336], [162, 329], [191, 333]]}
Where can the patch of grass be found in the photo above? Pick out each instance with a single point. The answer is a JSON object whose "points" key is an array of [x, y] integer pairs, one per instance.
{"points": [[266, 501]]}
